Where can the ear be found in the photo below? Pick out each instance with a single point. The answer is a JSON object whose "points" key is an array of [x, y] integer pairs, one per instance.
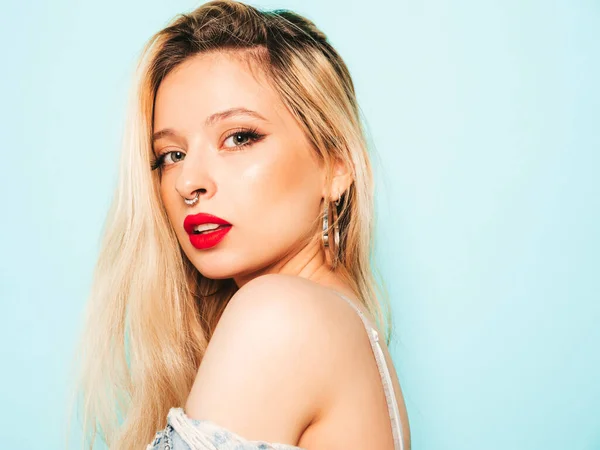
{"points": [[341, 180]]}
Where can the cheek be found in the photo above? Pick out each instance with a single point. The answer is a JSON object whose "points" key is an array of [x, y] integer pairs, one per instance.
{"points": [[279, 196]]}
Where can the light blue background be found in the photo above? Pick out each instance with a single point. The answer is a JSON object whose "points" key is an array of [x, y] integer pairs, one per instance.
{"points": [[485, 116]]}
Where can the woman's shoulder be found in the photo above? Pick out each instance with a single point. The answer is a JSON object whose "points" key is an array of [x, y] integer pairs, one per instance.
{"points": [[305, 312], [281, 293], [270, 366]]}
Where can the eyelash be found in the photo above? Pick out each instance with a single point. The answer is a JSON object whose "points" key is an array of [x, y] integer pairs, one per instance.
{"points": [[252, 133]]}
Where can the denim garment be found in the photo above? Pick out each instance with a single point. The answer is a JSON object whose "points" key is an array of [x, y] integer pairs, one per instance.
{"points": [[185, 433]]}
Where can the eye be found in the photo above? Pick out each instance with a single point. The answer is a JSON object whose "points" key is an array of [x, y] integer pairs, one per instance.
{"points": [[167, 158], [241, 138], [244, 137]]}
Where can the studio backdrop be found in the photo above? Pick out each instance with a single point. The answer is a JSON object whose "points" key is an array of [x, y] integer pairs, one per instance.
{"points": [[484, 120]]}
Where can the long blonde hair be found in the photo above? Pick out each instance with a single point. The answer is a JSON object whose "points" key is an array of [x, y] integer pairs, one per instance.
{"points": [[151, 313]]}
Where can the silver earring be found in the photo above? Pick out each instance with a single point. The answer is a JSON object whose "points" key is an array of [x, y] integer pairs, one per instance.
{"points": [[331, 246], [192, 201]]}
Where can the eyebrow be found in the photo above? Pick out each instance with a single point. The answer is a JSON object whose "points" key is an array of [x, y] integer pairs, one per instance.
{"points": [[212, 119]]}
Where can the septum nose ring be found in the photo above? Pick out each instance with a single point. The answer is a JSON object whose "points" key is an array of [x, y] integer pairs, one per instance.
{"points": [[192, 201]]}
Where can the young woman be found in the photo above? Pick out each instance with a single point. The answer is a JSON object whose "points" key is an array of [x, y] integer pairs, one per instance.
{"points": [[234, 304]]}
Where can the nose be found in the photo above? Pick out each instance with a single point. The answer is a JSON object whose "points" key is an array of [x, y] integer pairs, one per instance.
{"points": [[194, 177]]}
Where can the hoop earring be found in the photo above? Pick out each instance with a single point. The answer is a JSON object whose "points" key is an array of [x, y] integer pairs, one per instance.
{"points": [[331, 246]]}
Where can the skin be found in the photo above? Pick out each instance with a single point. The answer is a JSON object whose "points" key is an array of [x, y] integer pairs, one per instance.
{"points": [[270, 191]]}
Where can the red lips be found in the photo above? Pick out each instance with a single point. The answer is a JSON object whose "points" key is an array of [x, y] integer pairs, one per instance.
{"points": [[209, 238], [198, 219]]}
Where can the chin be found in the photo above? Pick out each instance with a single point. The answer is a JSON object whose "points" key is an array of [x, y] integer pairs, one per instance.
{"points": [[213, 266], [215, 274]]}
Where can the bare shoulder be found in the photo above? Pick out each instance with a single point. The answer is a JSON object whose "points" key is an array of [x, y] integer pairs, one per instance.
{"points": [[271, 364]]}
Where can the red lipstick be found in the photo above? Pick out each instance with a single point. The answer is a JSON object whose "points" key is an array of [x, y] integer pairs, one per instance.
{"points": [[207, 238]]}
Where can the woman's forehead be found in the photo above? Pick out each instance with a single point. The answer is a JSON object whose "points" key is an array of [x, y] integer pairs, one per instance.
{"points": [[209, 84]]}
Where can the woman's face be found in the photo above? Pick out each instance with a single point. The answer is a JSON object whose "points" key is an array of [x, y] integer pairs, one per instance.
{"points": [[269, 190]]}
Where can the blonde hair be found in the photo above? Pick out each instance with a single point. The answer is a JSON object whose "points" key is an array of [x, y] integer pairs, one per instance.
{"points": [[151, 313]]}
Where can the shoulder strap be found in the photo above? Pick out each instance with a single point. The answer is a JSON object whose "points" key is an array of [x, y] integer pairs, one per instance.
{"points": [[388, 387]]}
